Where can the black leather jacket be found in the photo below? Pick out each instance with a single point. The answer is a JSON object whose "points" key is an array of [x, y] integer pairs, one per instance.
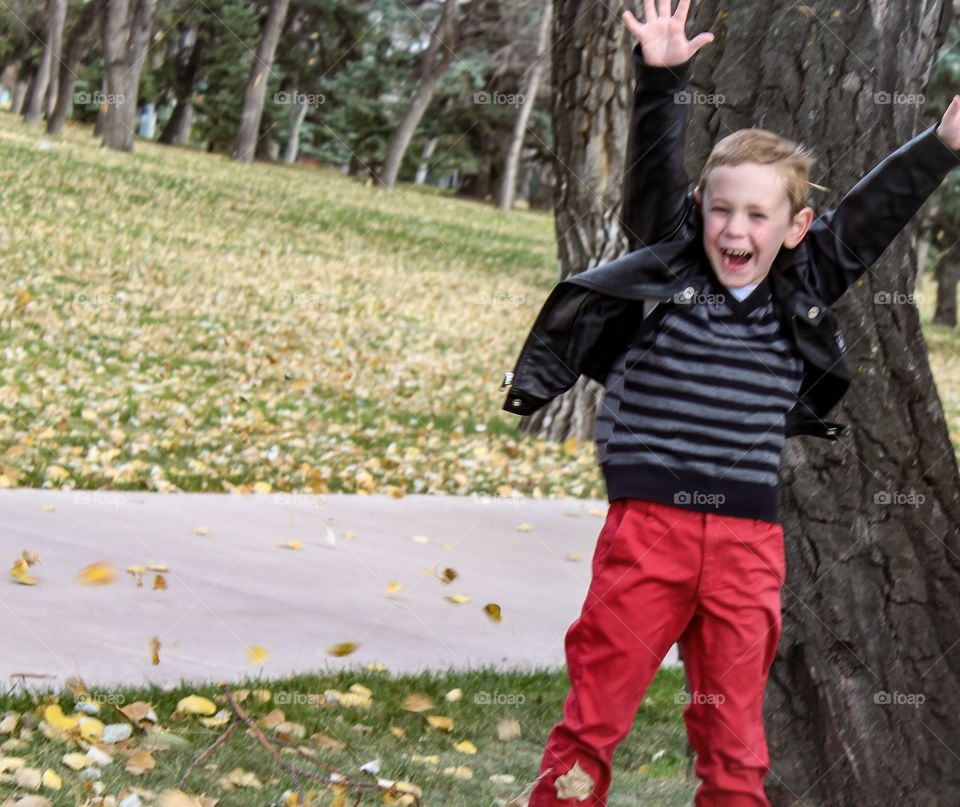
{"points": [[590, 318]]}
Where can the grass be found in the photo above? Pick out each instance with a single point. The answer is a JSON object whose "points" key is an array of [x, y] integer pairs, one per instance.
{"points": [[650, 767]]}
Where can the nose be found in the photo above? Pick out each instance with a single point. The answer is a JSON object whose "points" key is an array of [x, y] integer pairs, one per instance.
{"points": [[735, 225]]}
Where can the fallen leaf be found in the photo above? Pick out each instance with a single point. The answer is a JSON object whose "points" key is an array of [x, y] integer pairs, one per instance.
{"points": [[196, 705], [343, 648], [140, 761], [97, 574], [576, 783], [257, 654], [492, 610]]}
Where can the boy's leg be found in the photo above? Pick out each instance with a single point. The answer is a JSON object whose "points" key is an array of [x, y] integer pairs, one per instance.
{"points": [[642, 594], [728, 649]]}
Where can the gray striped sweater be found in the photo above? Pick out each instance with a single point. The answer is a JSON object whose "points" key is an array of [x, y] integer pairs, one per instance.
{"points": [[694, 410]]}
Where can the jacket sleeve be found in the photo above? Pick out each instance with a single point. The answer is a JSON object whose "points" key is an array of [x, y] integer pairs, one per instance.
{"points": [[846, 241], [654, 180]]}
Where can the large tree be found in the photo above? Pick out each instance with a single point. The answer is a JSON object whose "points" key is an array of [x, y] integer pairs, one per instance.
{"points": [[862, 700], [45, 80]]}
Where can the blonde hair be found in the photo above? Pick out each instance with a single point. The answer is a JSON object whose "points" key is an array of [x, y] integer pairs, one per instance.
{"points": [[767, 148]]}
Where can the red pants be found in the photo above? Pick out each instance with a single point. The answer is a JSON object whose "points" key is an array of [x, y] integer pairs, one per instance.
{"points": [[662, 574]]}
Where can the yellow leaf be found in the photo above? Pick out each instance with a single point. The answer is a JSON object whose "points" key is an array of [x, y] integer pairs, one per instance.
{"points": [[342, 649], [571, 446], [454, 695], [53, 714], [416, 702], [51, 780], [525, 527], [76, 761], [155, 650], [20, 573], [440, 722], [460, 772], [97, 574], [262, 487], [492, 610], [91, 729], [290, 545], [393, 588], [466, 747], [196, 705], [459, 599], [159, 582], [448, 575], [420, 539], [140, 761], [257, 654]]}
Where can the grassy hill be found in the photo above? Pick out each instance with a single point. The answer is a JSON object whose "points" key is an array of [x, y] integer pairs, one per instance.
{"points": [[172, 320]]}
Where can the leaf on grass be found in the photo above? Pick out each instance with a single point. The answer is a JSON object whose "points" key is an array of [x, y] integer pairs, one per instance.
{"points": [[466, 747], [576, 783], [508, 729], [140, 761], [416, 702], [196, 705], [440, 722]]}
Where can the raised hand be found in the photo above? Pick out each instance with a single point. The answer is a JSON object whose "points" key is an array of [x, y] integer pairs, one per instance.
{"points": [[662, 36], [949, 129]]}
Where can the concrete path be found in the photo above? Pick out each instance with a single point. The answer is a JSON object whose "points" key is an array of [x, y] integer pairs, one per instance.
{"points": [[231, 585]]}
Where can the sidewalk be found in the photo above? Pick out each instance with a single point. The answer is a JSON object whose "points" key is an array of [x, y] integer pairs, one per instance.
{"points": [[230, 585]]}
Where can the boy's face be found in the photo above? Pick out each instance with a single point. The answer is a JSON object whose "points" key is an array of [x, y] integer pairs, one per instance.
{"points": [[745, 208]]}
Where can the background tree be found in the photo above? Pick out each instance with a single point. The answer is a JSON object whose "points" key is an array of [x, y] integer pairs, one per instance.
{"points": [[80, 40], [256, 90], [49, 66]]}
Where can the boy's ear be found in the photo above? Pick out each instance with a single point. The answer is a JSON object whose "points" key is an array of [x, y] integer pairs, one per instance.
{"points": [[696, 196], [798, 227]]}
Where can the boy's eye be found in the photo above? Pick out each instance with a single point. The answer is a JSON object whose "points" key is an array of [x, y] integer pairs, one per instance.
{"points": [[719, 209], [758, 215]]}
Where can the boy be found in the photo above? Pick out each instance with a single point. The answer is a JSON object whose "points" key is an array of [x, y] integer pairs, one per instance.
{"points": [[713, 339]]}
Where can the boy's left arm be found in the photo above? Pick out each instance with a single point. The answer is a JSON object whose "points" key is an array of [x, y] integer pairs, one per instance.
{"points": [[848, 240]]}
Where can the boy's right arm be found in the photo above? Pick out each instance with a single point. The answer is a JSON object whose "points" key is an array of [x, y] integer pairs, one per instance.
{"points": [[655, 181]]}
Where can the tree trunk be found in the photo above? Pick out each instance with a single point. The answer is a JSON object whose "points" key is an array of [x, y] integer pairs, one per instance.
{"points": [[19, 96], [186, 71], [256, 92], [423, 169], [947, 274], [126, 36], [78, 43], [508, 184], [862, 699], [49, 61], [443, 39], [297, 114], [593, 87]]}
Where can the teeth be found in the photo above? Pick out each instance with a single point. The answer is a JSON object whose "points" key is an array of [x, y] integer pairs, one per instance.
{"points": [[739, 253]]}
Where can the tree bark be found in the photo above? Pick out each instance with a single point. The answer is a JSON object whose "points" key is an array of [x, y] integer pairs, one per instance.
{"points": [[78, 44], [19, 96], [508, 184], [947, 275], [297, 114], [49, 61], [862, 699], [256, 91], [186, 70], [126, 36], [443, 40], [593, 85]]}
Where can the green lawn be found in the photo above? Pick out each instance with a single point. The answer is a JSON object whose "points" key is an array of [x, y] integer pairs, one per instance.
{"points": [[650, 767]]}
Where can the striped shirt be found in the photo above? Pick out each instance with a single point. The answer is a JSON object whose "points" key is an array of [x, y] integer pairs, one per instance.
{"points": [[694, 411]]}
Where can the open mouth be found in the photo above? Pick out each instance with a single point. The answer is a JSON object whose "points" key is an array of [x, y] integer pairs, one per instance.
{"points": [[735, 258]]}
